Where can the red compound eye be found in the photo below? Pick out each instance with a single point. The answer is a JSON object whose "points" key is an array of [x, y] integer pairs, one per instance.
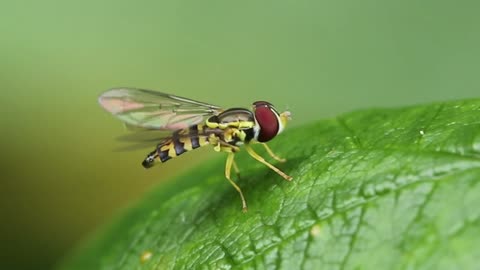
{"points": [[267, 119]]}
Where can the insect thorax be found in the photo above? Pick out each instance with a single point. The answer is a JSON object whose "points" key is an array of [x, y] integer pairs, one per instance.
{"points": [[234, 126]]}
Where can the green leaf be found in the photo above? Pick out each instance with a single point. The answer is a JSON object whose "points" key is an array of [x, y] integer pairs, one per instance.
{"points": [[374, 189]]}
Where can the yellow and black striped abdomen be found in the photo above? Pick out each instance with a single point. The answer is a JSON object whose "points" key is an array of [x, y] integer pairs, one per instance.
{"points": [[180, 142]]}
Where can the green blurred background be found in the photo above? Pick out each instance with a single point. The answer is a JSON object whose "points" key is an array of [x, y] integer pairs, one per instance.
{"points": [[60, 176]]}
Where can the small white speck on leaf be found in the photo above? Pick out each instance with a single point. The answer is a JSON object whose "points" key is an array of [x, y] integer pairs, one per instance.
{"points": [[146, 255], [315, 230], [422, 132]]}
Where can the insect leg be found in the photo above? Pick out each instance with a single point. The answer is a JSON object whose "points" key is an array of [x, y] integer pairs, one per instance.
{"points": [[262, 160], [228, 167], [270, 152], [235, 168]]}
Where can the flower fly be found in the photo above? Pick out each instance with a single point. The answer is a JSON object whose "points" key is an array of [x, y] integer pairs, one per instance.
{"points": [[184, 124]]}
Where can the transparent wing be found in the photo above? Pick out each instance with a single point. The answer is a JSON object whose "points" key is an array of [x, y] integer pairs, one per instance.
{"points": [[147, 138], [155, 110]]}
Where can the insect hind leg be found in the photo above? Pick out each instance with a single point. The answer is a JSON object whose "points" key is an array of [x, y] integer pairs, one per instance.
{"points": [[149, 161]]}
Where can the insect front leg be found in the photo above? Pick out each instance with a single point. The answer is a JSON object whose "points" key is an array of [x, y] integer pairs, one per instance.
{"points": [[270, 152], [256, 156]]}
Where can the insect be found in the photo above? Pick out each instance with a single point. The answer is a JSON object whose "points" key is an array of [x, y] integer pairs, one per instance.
{"points": [[183, 124]]}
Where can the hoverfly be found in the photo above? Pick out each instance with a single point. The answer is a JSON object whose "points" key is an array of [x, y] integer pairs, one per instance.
{"points": [[185, 124]]}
